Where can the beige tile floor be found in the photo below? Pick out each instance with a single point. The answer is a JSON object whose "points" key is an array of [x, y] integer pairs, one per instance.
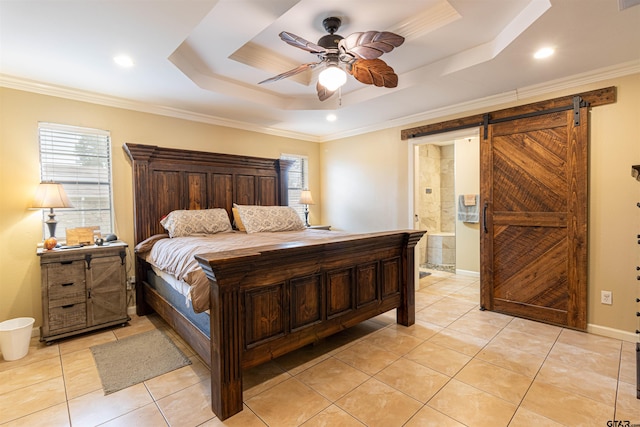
{"points": [[457, 366]]}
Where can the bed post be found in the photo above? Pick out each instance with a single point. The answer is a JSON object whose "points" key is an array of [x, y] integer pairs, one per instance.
{"points": [[406, 313], [283, 166], [226, 334], [139, 156]]}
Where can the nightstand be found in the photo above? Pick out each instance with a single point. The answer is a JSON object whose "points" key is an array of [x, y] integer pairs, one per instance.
{"points": [[320, 227], [82, 289]]}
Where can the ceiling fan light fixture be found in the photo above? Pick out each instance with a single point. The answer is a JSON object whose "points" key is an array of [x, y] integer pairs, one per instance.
{"points": [[332, 78]]}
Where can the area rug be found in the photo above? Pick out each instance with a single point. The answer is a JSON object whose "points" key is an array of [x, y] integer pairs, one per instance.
{"points": [[135, 359]]}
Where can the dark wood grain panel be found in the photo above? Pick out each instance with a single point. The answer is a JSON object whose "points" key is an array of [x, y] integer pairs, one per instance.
{"points": [[267, 191], [518, 276], [367, 284], [390, 276], [339, 291], [264, 307], [529, 168], [245, 190], [165, 201], [577, 221], [197, 190], [543, 219], [222, 191], [306, 301]]}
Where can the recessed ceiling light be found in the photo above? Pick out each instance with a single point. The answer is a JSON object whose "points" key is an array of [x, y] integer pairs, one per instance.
{"points": [[332, 117], [123, 61], [545, 52]]}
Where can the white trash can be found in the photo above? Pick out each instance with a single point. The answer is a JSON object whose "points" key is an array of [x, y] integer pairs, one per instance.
{"points": [[15, 335]]}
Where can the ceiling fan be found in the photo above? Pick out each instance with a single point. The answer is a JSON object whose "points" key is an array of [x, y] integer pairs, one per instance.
{"points": [[357, 54]]}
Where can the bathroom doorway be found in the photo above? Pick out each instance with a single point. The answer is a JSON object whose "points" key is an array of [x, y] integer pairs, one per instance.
{"points": [[435, 205], [446, 170]]}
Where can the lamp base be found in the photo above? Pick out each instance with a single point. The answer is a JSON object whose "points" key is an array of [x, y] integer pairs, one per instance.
{"points": [[51, 223]]}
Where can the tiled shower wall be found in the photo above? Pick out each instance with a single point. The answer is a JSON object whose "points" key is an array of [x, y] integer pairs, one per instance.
{"points": [[436, 191]]}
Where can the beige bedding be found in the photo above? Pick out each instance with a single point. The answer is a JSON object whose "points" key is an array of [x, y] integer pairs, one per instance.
{"points": [[176, 256]]}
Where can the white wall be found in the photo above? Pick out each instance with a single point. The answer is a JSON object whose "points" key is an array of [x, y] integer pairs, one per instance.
{"points": [[366, 178]]}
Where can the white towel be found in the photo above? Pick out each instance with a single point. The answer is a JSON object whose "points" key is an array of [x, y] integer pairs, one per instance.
{"points": [[468, 213]]}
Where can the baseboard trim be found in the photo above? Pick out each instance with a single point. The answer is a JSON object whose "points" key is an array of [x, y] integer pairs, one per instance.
{"points": [[131, 310], [468, 273], [611, 333]]}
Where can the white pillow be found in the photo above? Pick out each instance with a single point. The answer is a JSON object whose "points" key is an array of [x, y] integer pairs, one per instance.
{"points": [[269, 218], [183, 223]]}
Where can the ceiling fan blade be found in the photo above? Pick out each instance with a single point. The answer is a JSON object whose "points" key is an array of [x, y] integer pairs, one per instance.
{"points": [[301, 43], [374, 72], [299, 69], [370, 44], [323, 93]]}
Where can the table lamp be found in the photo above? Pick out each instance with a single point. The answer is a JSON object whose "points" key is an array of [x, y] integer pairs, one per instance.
{"points": [[306, 200], [50, 195]]}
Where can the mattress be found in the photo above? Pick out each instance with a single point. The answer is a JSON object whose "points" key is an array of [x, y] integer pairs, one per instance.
{"points": [[167, 289]]}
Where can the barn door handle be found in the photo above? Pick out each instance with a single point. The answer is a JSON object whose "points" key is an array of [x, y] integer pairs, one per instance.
{"points": [[484, 217]]}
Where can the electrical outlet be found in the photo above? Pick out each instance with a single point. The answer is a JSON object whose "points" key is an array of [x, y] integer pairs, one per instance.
{"points": [[606, 297], [131, 283]]}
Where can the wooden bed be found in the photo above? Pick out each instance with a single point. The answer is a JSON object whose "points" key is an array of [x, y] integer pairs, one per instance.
{"points": [[265, 301]]}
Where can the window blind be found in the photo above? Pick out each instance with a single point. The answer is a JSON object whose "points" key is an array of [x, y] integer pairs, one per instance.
{"points": [[80, 159], [298, 180]]}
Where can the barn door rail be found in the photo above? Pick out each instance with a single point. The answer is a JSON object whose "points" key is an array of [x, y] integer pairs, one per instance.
{"points": [[577, 103], [573, 102]]}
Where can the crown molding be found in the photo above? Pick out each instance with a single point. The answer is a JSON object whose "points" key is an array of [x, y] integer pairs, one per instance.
{"points": [[162, 110], [489, 102], [520, 94]]}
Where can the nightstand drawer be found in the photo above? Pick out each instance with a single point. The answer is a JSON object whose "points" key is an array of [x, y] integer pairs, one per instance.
{"points": [[62, 273], [66, 283], [69, 295], [68, 317]]}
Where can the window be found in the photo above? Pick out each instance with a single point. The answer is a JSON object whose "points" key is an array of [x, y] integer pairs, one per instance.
{"points": [[79, 159], [298, 180]]}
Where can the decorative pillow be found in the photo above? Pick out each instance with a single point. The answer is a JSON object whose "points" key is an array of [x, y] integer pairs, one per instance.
{"points": [[269, 218], [237, 220], [183, 223]]}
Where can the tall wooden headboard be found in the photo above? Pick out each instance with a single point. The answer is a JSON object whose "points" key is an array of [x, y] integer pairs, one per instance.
{"points": [[166, 179]]}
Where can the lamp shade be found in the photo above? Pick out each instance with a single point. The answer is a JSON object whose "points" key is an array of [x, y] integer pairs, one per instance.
{"points": [[51, 195], [332, 78], [305, 198]]}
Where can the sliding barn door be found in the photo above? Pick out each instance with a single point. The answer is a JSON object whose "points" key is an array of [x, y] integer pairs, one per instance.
{"points": [[534, 217]]}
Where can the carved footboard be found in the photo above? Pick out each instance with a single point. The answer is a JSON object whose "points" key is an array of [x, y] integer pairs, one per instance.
{"points": [[271, 300]]}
